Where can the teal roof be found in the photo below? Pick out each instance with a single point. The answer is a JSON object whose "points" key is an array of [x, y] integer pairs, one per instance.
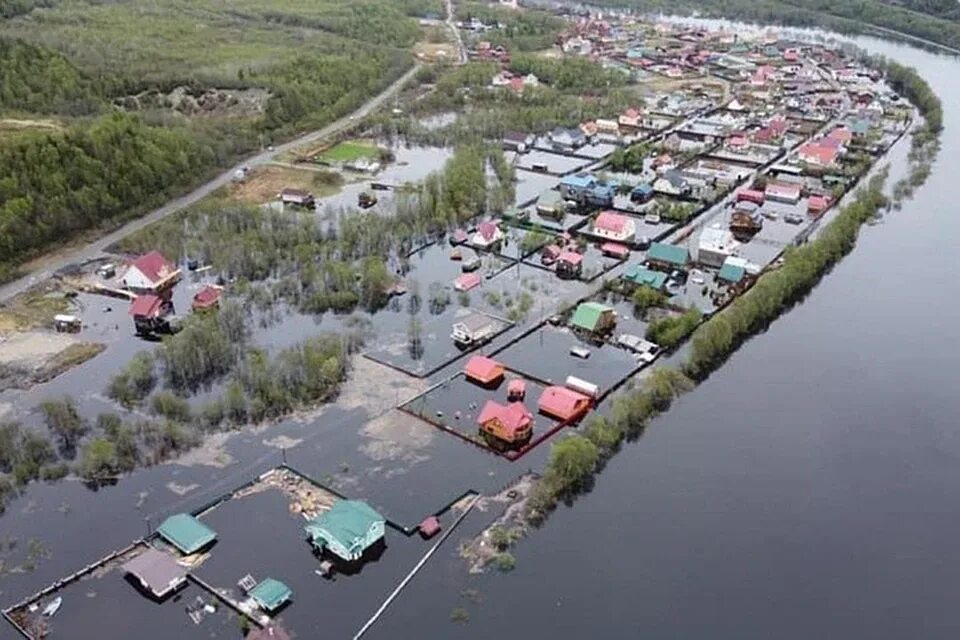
{"points": [[347, 522], [669, 253], [271, 593], [731, 273], [588, 314], [641, 275], [186, 533]]}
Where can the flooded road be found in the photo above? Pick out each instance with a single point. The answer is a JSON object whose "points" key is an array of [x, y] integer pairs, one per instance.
{"points": [[807, 489]]}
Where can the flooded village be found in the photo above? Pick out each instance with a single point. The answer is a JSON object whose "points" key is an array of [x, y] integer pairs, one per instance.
{"points": [[262, 416]]}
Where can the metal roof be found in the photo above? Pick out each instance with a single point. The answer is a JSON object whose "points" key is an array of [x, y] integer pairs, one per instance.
{"points": [[588, 314], [271, 593], [670, 253], [157, 571], [186, 533]]}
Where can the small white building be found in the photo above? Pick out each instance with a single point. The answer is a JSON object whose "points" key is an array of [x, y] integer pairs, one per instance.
{"points": [[715, 245]]}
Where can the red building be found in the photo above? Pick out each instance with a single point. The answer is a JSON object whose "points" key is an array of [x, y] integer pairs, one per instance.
{"points": [[206, 298], [564, 404], [510, 423], [483, 370]]}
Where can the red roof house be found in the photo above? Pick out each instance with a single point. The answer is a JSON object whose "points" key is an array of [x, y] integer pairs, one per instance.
{"points": [[783, 192], [614, 226], [467, 281], [147, 305], [563, 403], [615, 250], [150, 273], [206, 298], [819, 155], [817, 205], [751, 195], [483, 370], [516, 389], [511, 422]]}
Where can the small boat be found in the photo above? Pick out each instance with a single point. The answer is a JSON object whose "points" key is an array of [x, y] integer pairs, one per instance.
{"points": [[53, 607]]}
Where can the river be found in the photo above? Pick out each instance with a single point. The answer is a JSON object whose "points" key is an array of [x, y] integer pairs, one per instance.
{"points": [[807, 489]]}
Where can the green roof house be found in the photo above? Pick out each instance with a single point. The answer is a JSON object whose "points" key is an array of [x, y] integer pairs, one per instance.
{"points": [[348, 529], [186, 533], [594, 317], [640, 275], [271, 594], [667, 256], [732, 273]]}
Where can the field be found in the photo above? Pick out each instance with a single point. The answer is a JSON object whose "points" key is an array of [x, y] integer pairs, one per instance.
{"points": [[264, 184], [349, 151]]}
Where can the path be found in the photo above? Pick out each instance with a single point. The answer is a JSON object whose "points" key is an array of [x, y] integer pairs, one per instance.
{"points": [[59, 260], [458, 39]]}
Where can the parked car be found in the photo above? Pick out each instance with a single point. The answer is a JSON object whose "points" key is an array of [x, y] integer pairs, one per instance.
{"points": [[769, 215], [643, 242], [793, 218], [652, 218]]}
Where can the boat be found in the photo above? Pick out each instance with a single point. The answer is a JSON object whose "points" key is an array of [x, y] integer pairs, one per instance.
{"points": [[53, 607]]}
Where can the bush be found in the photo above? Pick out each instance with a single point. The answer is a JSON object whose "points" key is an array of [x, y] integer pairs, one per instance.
{"points": [[671, 331], [504, 562], [170, 406]]}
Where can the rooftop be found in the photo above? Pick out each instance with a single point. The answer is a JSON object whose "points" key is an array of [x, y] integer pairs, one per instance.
{"points": [[186, 533], [270, 594]]}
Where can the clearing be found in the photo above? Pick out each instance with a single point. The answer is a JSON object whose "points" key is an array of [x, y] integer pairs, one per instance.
{"points": [[264, 184], [349, 151]]}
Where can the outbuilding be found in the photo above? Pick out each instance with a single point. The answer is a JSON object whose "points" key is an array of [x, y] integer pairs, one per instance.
{"points": [[667, 257], [594, 318], [483, 370], [347, 530], [186, 533], [157, 573], [564, 404]]}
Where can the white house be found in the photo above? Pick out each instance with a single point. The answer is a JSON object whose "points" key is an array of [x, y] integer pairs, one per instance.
{"points": [[150, 273], [715, 245], [614, 226]]}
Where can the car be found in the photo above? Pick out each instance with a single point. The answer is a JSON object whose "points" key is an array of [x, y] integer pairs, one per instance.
{"points": [[793, 218], [696, 276], [769, 215], [643, 242], [270, 147], [652, 218]]}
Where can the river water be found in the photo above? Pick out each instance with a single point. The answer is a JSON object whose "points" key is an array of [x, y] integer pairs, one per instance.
{"points": [[808, 489]]}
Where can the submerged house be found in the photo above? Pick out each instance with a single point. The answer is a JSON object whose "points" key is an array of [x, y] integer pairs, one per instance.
{"points": [[640, 275], [584, 188], [186, 533], [483, 370], [594, 318], [563, 403], [271, 594], [569, 264], [156, 572], [667, 257], [511, 423], [150, 313], [347, 530]]}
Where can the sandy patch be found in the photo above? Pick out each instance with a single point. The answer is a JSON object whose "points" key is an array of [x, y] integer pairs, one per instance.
{"points": [[377, 388], [282, 442], [264, 184], [211, 453], [32, 348]]}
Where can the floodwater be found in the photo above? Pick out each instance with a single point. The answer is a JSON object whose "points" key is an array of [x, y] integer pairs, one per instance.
{"points": [[807, 489]]}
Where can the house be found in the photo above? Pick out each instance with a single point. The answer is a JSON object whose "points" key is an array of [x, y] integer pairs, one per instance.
{"points": [[642, 193], [297, 197], [150, 273], [607, 127], [715, 246], [784, 192], [550, 254], [594, 318], [640, 275], [751, 195], [564, 404], [672, 183], [667, 257], [516, 389], [186, 533], [569, 264], [841, 134], [149, 313], [589, 129], [631, 119], [511, 423], [347, 529], [207, 298], [157, 572], [817, 205], [614, 226], [584, 188], [474, 329], [567, 139], [746, 219], [467, 281], [818, 154], [488, 234], [615, 250], [484, 370], [731, 274], [270, 594], [519, 142]]}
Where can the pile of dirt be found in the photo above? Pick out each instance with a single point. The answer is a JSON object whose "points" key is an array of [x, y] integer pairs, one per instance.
{"points": [[200, 103], [33, 357], [510, 527]]}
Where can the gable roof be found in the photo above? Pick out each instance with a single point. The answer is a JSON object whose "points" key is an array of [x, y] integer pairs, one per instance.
{"points": [[483, 368], [146, 305], [347, 522], [157, 571], [561, 402], [570, 257], [186, 533], [271, 593], [611, 222], [638, 274], [513, 416], [731, 273], [588, 315], [669, 253], [154, 266]]}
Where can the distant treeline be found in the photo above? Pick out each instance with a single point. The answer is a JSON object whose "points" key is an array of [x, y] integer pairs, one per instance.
{"points": [[42, 81], [11, 8], [527, 30]]}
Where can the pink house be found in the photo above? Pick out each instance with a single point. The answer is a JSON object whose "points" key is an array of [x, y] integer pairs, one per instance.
{"points": [[614, 226]]}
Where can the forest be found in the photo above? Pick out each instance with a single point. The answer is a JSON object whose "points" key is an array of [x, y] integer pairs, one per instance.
{"points": [[528, 30], [95, 166]]}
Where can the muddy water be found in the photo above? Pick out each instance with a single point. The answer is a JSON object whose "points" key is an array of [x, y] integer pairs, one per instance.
{"points": [[808, 489]]}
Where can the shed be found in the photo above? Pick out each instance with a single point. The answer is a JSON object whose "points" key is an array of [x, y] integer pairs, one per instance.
{"points": [[563, 403], [186, 533], [157, 572], [594, 317], [66, 322], [516, 389], [669, 256], [645, 277], [207, 298], [467, 281], [615, 250], [271, 594], [570, 264], [483, 370], [347, 530], [429, 527]]}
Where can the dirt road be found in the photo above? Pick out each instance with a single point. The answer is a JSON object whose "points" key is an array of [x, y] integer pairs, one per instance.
{"points": [[61, 259]]}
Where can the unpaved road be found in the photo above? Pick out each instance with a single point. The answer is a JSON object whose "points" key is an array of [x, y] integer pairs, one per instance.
{"points": [[61, 259]]}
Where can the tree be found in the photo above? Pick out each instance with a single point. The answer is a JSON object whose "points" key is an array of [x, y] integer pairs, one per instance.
{"points": [[63, 420], [98, 459], [572, 461]]}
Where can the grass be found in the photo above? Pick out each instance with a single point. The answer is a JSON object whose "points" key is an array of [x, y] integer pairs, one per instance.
{"points": [[350, 151], [72, 356]]}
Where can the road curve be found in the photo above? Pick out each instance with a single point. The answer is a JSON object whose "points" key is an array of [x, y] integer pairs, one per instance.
{"points": [[96, 248]]}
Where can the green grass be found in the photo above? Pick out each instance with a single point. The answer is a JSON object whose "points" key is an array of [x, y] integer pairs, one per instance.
{"points": [[349, 152]]}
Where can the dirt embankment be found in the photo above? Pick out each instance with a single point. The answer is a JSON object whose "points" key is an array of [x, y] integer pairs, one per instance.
{"points": [[508, 529]]}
